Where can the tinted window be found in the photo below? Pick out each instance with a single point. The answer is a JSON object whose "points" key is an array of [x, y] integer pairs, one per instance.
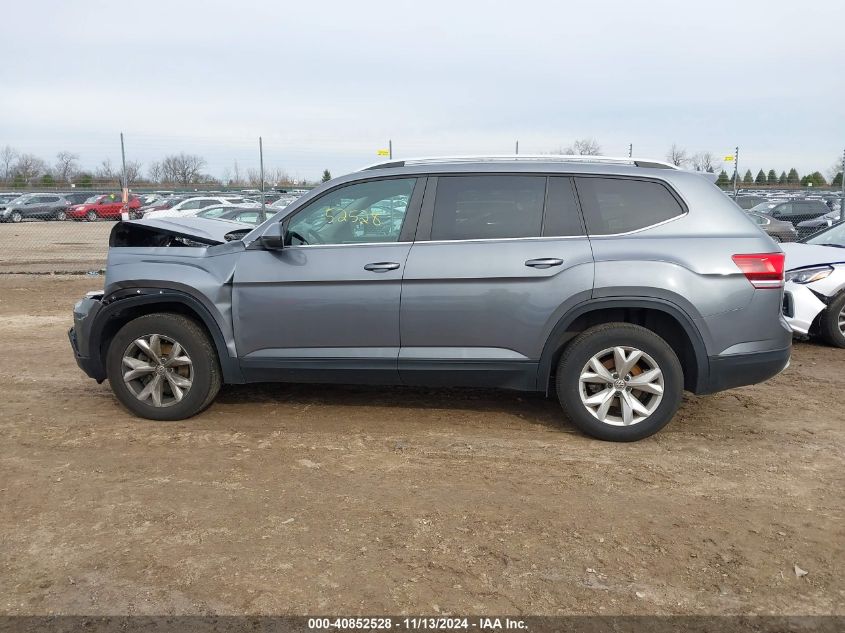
{"points": [[488, 207], [360, 213], [49, 199], [783, 209], [192, 204], [562, 216], [617, 205]]}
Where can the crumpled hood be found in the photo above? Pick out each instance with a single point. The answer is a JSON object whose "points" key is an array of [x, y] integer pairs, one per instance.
{"points": [[803, 255], [205, 230]]}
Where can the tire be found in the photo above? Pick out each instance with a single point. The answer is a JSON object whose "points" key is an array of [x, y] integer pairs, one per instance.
{"points": [[91, 216], [60, 215], [832, 322], [202, 373], [15, 217], [600, 342]]}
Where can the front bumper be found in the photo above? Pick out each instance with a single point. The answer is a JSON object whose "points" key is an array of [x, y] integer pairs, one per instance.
{"points": [[801, 306], [87, 356]]}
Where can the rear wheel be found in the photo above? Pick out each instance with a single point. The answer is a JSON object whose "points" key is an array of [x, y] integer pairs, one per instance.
{"points": [[619, 382], [832, 323], [60, 215], [163, 367]]}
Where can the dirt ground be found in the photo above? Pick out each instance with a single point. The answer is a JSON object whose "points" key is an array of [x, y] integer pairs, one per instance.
{"points": [[357, 500], [38, 247]]}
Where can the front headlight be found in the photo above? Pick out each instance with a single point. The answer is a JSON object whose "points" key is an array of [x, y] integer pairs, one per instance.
{"points": [[809, 275]]}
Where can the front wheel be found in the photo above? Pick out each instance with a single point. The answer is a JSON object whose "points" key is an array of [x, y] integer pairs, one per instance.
{"points": [[163, 367], [832, 323], [16, 217], [91, 216], [619, 382]]}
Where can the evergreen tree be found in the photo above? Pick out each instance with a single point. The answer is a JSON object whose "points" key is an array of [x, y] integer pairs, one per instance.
{"points": [[772, 177], [723, 180], [792, 178], [782, 178], [327, 175], [761, 178], [837, 180], [748, 178], [817, 179], [47, 180]]}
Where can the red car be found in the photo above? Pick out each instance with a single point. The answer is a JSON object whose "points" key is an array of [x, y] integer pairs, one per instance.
{"points": [[107, 206]]}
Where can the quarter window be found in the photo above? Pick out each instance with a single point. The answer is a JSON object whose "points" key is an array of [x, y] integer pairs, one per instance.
{"points": [[562, 216], [361, 213], [620, 205], [488, 207]]}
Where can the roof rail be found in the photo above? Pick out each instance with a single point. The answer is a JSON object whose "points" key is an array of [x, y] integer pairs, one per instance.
{"points": [[546, 158]]}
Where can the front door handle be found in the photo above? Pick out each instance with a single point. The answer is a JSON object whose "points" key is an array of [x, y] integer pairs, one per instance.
{"points": [[545, 262], [381, 267]]}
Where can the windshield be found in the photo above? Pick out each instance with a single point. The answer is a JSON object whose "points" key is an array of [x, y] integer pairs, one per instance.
{"points": [[21, 199], [92, 200], [834, 236], [213, 212], [763, 207]]}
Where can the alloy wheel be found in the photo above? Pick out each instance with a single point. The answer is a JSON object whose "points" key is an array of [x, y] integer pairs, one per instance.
{"points": [[842, 321], [621, 386], [159, 370], [16, 216]]}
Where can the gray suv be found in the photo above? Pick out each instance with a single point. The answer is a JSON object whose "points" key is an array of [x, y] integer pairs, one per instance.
{"points": [[615, 283]]}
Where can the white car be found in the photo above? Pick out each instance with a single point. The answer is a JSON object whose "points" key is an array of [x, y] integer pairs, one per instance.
{"points": [[191, 206], [814, 295]]}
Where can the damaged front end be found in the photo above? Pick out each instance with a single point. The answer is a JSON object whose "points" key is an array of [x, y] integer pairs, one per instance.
{"points": [[183, 265], [178, 232]]}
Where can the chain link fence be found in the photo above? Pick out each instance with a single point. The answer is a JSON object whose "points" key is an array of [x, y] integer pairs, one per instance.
{"points": [[57, 219]]}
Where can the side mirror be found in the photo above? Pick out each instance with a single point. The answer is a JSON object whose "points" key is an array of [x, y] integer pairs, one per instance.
{"points": [[273, 238]]}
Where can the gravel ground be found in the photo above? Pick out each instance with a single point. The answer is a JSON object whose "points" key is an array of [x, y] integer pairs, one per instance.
{"points": [[295, 499]]}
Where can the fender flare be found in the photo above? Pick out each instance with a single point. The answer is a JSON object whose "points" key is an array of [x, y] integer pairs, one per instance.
{"points": [[126, 299], [558, 334]]}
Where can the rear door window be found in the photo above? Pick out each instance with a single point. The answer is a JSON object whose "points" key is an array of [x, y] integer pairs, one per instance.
{"points": [[488, 207], [622, 205]]}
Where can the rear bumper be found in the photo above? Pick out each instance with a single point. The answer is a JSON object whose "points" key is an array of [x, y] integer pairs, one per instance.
{"points": [[739, 370]]}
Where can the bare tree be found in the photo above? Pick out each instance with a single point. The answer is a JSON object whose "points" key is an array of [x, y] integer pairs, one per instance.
{"points": [[236, 175], [133, 172], [29, 167], [277, 176], [837, 167], [8, 156], [584, 147], [183, 168], [105, 172], [703, 161], [253, 177], [154, 172], [66, 167], [677, 156]]}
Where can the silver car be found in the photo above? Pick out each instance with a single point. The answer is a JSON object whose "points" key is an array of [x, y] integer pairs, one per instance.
{"points": [[614, 283]]}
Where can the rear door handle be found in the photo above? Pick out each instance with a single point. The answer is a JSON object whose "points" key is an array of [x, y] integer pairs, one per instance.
{"points": [[381, 267], [545, 262]]}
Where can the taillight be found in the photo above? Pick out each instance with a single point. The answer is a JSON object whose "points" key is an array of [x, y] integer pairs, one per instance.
{"points": [[763, 270]]}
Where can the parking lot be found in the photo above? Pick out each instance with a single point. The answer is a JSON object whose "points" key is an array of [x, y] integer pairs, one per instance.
{"points": [[307, 499]]}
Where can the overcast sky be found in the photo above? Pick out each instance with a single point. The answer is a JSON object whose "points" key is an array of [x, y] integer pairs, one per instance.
{"points": [[327, 83]]}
